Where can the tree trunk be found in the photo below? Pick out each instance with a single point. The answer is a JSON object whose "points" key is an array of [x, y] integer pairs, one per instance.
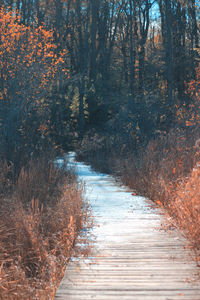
{"points": [[132, 51], [168, 51]]}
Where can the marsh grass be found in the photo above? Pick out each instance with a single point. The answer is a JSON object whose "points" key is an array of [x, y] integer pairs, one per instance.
{"points": [[39, 222]]}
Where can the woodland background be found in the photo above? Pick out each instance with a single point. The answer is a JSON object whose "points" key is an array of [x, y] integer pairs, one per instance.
{"points": [[73, 68]]}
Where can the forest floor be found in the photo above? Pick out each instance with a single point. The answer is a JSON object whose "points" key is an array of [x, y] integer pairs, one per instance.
{"points": [[131, 255]]}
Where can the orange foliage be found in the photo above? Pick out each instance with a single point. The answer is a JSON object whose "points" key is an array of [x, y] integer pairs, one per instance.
{"points": [[194, 91], [28, 60], [194, 85]]}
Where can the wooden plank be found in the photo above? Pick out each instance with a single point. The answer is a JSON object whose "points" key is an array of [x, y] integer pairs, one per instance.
{"points": [[130, 257]]}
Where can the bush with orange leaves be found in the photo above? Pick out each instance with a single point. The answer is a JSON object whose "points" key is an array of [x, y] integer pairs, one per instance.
{"points": [[29, 67]]}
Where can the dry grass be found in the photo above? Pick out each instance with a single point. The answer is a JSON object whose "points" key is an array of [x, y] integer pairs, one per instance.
{"points": [[163, 162], [185, 206], [38, 227]]}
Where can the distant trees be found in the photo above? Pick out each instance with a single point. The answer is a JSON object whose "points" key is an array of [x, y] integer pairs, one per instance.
{"points": [[129, 61]]}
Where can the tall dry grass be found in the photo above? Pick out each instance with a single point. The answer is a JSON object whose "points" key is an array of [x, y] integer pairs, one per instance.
{"points": [[39, 222], [163, 162], [184, 206]]}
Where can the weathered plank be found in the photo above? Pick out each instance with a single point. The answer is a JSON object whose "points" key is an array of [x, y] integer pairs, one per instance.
{"points": [[130, 257]]}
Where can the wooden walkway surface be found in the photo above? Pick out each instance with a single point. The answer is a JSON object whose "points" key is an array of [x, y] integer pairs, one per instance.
{"points": [[131, 258]]}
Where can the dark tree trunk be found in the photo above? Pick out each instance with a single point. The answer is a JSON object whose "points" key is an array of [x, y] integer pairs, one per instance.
{"points": [[144, 28], [132, 49], [93, 30], [168, 51]]}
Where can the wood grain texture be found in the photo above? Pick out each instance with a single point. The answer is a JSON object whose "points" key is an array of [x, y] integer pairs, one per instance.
{"points": [[130, 256]]}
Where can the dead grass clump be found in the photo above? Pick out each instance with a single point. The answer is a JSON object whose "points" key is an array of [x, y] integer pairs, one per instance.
{"points": [[37, 235], [185, 206], [163, 162], [40, 179]]}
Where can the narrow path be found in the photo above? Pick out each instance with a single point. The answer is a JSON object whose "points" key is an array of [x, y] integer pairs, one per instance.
{"points": [[131, 258]]}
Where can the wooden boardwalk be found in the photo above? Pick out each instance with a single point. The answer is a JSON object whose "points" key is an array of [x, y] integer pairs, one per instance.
{"points": [[131, 258]]}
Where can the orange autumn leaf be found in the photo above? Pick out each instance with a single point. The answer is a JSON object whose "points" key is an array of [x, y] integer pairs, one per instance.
{"points": [[159, 203]]}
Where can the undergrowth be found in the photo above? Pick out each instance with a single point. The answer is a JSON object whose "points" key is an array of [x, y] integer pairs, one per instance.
{"points": [[40, 216]]}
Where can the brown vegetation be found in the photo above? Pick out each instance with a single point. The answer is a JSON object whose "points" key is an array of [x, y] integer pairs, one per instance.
{"points": [[39, 221]]}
